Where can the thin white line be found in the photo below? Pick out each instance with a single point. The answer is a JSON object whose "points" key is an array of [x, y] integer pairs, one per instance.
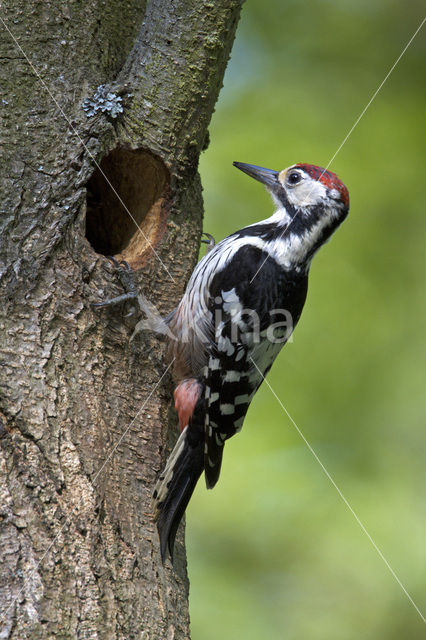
{"points": [[68, 518], [36, 73], [342, 496], [377, 91], [351, 129]]}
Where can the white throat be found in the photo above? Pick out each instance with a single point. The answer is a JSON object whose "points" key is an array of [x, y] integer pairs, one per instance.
{"points": [[294, 250]]}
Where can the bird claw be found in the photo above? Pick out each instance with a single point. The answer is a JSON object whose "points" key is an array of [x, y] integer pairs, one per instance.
{"points": [[210, 241], [125, 275]]}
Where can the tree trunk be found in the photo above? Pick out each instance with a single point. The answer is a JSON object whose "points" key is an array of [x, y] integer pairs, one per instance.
{"points": [[85, 413]]}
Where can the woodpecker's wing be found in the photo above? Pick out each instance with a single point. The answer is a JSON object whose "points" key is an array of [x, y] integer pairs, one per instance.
{"points": [[243, 309]]}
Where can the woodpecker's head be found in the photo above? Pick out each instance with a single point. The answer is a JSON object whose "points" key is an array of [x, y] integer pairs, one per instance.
{"points": [[311, 203], [301, 185]]}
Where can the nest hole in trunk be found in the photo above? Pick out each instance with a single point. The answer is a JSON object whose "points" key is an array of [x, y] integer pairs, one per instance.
{"points": [[126, 212]]}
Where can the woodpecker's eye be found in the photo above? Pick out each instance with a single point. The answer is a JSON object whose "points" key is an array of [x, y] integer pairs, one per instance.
{"points": [[294, 177]]}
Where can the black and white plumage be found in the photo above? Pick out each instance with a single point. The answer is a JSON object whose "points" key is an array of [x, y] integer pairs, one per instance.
{"points": [[241, 304]]}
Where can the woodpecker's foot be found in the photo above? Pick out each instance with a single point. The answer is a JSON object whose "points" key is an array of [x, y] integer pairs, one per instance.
{"points": [[209, 241], [125, 275]]}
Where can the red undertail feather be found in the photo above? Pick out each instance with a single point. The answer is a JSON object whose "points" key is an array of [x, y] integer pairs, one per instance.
{"points": [[186, 395]]}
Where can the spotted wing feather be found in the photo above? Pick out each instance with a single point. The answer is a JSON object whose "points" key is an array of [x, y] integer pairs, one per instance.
{"points": [[242, 352]]}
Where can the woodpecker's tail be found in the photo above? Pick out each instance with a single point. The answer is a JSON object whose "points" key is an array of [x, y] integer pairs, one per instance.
{"points": [[176, 485]]}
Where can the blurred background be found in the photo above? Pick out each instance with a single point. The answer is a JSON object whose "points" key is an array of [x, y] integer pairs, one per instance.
{"points": [[273, 551]]}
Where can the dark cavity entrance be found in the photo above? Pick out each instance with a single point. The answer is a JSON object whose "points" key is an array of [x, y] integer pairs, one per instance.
{"points": [[126, 212]]}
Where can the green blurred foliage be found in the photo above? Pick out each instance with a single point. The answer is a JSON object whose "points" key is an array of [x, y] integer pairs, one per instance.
{"points": [[273, 551]]}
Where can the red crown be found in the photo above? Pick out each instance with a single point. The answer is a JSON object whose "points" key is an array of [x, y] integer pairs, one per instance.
{"points": [[328, 179]]}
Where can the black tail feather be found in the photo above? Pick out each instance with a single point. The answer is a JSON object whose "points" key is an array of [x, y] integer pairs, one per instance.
{"points": [[175, 488], [212, 465]]}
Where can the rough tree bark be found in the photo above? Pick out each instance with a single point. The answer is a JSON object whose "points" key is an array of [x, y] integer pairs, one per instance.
{"points": [[85, 415]]}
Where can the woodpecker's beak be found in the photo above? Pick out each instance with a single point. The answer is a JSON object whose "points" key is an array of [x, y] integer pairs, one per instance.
{"points": [[265, 176]]}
